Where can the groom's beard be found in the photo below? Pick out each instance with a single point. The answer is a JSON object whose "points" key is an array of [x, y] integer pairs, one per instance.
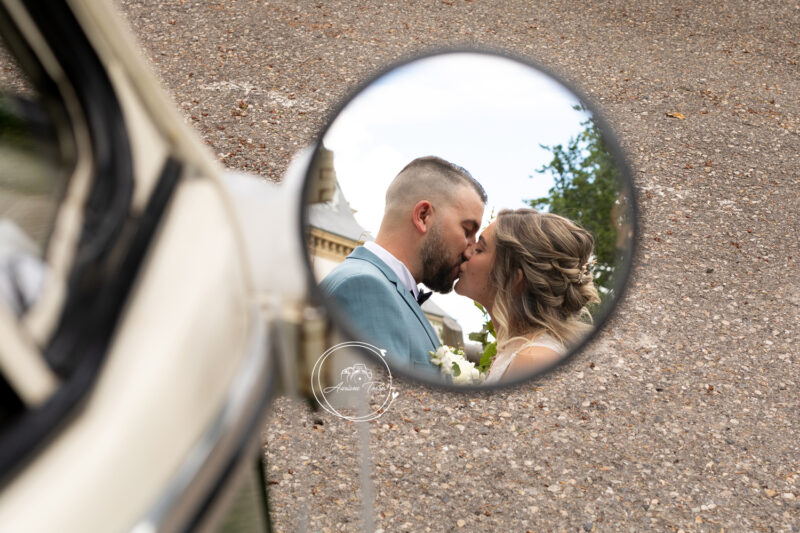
{"points": [[438, 272]]}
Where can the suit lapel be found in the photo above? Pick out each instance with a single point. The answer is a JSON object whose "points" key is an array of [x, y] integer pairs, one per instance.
{"points": [[362, 253], [415, 307]]}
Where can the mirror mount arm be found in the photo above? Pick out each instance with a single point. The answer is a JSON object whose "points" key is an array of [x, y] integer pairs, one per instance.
{"points": [[268, 215], [303, 336]]}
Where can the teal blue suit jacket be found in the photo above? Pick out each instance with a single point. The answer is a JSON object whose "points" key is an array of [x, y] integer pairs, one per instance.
{"points": [[380, 308]]}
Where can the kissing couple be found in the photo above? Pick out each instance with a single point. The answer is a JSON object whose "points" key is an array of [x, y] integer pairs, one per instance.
{"points": [[531, 271]]}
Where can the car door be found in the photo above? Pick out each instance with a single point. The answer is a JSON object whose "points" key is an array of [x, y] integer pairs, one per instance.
{"points": [[134, 356]]}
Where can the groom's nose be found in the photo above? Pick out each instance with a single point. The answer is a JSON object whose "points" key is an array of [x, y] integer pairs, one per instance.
{"points": [[469, 251]]}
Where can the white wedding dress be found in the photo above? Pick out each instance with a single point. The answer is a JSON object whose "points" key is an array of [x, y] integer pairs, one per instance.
{"points": [[504, 358]]}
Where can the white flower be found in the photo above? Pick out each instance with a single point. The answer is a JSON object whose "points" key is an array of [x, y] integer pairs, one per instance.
{"points": [[453, 363]]}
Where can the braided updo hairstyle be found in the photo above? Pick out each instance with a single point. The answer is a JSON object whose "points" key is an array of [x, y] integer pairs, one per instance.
{"points": [[555, 285]]}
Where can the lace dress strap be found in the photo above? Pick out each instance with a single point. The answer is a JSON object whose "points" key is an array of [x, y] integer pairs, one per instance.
{"points": [[502, 361], [545, 341]]}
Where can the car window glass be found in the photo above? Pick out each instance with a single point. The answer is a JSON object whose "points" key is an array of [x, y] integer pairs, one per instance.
{"points": [[31, 182]]}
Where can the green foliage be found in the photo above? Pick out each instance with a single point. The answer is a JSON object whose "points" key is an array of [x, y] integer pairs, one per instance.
{"points": [[489, 346], [456, 370], [586, 189], [488, 356]]}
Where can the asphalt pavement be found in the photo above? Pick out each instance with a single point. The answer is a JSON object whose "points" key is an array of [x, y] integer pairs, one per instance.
{"points": [[684, 414]]}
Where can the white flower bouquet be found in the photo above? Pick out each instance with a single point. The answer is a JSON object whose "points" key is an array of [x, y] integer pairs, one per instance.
{"points": [[453, 362]]}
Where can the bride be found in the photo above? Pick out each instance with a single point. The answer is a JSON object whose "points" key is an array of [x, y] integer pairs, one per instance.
{"points": [[531, 271]]}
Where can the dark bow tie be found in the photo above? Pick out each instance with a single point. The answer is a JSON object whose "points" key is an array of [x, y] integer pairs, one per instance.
{"points": [[423, 296]]}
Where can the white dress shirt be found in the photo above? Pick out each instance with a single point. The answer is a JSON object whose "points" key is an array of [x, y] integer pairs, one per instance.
{"points": [[397, 266]]}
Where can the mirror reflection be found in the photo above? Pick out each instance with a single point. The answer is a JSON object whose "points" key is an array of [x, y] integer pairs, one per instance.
{"points": [[466, 214]]}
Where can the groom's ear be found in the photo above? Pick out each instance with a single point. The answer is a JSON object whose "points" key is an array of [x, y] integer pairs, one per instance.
{"points": [[422, 215]]}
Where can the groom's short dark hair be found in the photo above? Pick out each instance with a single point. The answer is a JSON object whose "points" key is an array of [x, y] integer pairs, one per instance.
{"points": [[433, 170]]}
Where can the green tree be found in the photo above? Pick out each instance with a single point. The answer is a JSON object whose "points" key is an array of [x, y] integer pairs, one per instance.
{"points": [[488, 339], [586, 189]]}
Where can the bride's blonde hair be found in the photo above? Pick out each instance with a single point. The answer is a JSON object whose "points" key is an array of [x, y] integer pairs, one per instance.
{"points": [[541, 274]]}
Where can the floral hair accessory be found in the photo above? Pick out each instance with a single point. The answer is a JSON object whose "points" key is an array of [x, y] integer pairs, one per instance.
{"points": [[586, 271]]}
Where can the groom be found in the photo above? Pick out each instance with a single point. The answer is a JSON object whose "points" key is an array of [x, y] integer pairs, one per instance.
{"points": [[433, 211]]}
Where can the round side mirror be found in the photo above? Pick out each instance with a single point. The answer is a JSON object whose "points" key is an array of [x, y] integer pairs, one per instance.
{"points": [[488, 182]]}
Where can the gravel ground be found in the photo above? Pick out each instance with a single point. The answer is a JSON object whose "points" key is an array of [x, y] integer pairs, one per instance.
{"points": [[685, 412]]}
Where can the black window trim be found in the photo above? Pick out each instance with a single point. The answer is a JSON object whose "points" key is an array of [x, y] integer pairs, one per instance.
{"points": [[111, 247]]}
